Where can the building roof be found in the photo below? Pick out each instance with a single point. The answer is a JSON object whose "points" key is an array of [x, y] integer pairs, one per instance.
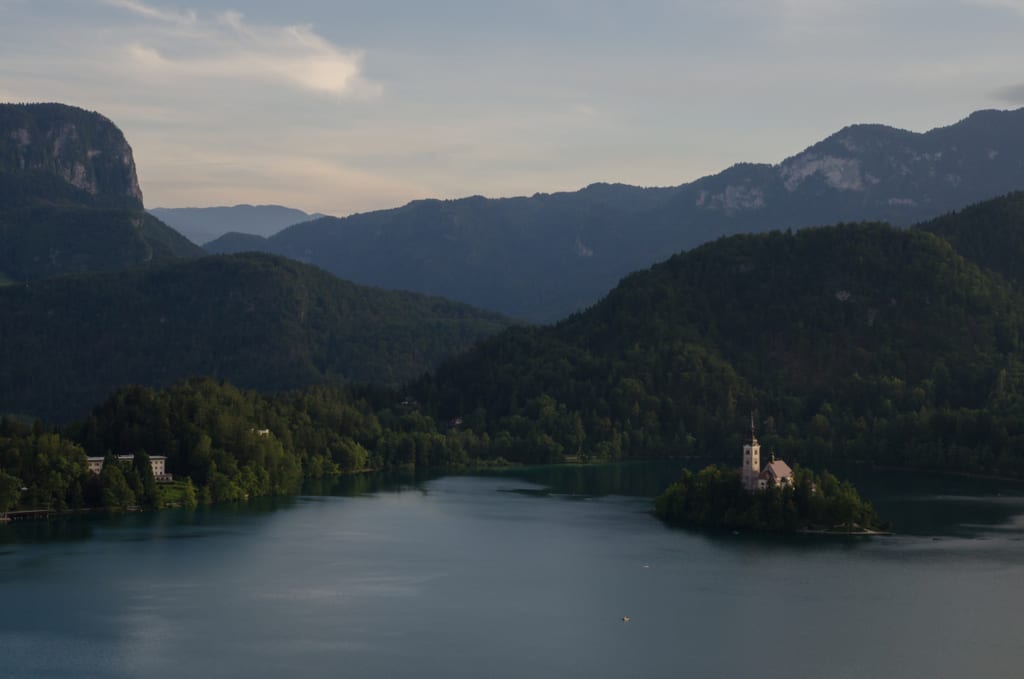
{"points": [[100, 458], [777, 469]]}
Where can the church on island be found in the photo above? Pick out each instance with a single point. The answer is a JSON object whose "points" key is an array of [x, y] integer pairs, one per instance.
{"points": [[775, 473]]}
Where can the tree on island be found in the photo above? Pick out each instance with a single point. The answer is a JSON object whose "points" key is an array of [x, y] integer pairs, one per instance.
{"points": [[714, 498], [10, 491], [146, 492], [115, 488]]}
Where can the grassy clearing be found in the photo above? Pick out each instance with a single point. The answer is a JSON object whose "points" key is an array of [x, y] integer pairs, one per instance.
{"points": [[173, 494]]}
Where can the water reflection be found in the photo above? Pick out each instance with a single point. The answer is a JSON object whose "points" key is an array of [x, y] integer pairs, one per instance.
{"points": [[396, 481], [61, 529], [917, 503]]}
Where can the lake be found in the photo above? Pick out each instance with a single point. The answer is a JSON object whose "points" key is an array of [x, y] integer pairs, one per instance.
{"points": [[518, 574]]}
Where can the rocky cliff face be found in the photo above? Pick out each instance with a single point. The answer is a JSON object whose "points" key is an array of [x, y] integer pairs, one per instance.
{"points": [[870, 172], [70, 202], [84, 149]]}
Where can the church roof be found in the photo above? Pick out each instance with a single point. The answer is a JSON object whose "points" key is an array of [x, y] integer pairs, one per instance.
{"points": [[777, 469]]}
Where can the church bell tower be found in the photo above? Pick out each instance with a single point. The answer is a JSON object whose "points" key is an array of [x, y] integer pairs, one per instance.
{"points": [[751, 459]]}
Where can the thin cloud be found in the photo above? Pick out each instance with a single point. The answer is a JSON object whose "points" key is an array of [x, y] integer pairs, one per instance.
{"points": [[1013, 5], [227, 47], [217, 175], [186, 18], [1012, 94], [804, 10]]}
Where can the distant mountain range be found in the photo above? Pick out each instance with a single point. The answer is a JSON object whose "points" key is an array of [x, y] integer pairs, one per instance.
{"points": [[70, 201], [543, 257], [204, 224]]}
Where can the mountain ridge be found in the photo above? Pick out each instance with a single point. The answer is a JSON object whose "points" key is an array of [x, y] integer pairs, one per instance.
{"points": [[547, 255], [202, 225]]}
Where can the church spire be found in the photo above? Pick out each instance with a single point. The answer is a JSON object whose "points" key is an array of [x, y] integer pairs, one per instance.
{"points": [[751, 458]]}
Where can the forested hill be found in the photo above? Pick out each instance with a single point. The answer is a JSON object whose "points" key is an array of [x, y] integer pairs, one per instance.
{"points": [[856, 341], [545, 256], [258, 321], [70, 201], [989, 233]]}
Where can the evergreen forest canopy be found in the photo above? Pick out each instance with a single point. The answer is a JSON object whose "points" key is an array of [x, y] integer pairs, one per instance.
{"points": [[715, 499], [227, 445], [75, 234], [259, 321], [990, 234]]}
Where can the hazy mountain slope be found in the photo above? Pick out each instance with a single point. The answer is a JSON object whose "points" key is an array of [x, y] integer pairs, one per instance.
{"points": [[204, 224], [259, 321], [528, 257], [543, 257], [69, 198], [45, 232], [235, 242]]}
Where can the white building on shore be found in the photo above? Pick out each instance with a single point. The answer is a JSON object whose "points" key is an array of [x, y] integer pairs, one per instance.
{"points": [[158, 463]]}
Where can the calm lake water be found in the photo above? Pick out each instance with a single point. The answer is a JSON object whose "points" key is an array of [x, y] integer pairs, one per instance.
{"points": [[516, 575]]}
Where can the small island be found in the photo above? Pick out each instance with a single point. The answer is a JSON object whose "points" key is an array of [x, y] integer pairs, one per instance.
{"points": [[774, 499]]}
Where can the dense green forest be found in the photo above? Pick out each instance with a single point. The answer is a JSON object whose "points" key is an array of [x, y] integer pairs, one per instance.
{"points": [[42, 238], [228, 443], [856, 341], [259, 321], [990, 234], [714, 498]]}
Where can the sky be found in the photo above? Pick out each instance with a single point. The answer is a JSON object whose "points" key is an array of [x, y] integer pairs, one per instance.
{"points": [[342, 107]]}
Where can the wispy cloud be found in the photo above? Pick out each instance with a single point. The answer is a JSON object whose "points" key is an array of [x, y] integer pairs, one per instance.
{"points": [[228, 47], [1012, 94], [804, 10], [185, 18], [1014, 5], [214, 175]]}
